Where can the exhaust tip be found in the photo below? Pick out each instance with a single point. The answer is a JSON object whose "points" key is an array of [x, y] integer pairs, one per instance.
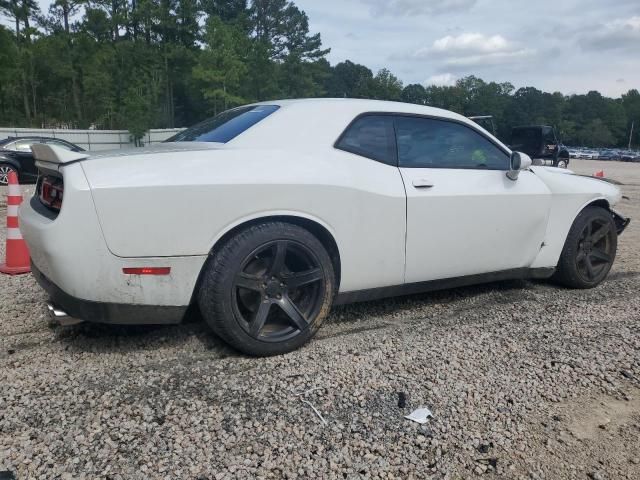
{"points": [[61, 317]]}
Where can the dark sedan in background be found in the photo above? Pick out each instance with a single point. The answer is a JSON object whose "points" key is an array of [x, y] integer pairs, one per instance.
{"points": [[15, 154]]}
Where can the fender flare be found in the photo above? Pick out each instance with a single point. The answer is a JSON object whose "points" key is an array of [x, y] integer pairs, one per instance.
{"points": [[14, 163]]}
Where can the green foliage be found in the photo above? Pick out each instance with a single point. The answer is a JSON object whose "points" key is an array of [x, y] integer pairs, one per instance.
{"points": [[222, 66], [140, 64]]}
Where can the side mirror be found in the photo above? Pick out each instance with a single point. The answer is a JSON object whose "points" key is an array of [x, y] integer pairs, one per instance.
{"points": [[519, 161]]}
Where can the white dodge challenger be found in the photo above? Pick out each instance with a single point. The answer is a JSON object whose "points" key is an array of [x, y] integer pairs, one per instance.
{"points": [[266, 215]]}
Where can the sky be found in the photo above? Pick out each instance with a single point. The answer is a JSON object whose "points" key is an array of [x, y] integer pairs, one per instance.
{"points": [[571, 46]]}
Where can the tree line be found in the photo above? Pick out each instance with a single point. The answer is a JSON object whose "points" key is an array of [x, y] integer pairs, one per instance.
{"points": [[141, 64]]}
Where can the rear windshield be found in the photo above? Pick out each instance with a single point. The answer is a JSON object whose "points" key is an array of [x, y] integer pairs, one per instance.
{"points": [[225, 126]]}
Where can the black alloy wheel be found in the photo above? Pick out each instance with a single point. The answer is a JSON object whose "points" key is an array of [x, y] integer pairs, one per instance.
{"points": [[278, 289], [268, 288], [589, 250], [595, 249]]}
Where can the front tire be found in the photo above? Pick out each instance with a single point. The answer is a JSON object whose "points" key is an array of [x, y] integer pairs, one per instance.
{"points": [[267, 290], [589, 250]]}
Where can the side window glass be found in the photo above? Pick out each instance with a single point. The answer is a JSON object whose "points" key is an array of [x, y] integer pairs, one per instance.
{"points": [[22, 146], [370, 136], [432, 143], [59, 144]]}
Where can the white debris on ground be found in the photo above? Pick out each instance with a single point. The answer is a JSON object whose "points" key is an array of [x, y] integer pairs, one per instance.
{"points": [[525, 379]]}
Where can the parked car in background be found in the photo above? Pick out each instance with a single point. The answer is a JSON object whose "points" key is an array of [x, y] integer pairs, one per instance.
{"points": [[589, 155], [630, 156], [268, 214], [608, 154], [541, 144], [16, 155]]}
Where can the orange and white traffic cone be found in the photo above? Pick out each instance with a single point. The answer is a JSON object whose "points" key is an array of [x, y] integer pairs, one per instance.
{"points": [[17, 253]]}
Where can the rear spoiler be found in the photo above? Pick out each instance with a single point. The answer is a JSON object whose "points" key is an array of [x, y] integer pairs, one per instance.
{"points": [[56, 155]]}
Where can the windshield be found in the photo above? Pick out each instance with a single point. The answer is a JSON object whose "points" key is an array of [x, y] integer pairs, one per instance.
{"points": [[526, 139], [225, 126]]}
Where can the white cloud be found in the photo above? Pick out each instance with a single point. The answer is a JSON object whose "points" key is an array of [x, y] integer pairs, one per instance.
{"points": [[399, 8], [442, 80], [616, 34], [470, 49]]}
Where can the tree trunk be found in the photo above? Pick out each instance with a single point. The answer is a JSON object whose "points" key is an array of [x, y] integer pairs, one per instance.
{"points": [[65, 15], [75, 91], [168, 93], [25, 95], [114, 20]]}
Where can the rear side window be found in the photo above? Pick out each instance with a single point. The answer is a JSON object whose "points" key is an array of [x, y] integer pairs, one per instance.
{"points": [[60, 144], [370, 136], [431, 143], [226, 126], [21, 145]]}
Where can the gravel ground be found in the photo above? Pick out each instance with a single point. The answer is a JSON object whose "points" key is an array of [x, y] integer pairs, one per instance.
{"points": [[525, 380]]}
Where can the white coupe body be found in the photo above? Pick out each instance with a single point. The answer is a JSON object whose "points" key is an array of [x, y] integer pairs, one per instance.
{"points": [[170, 205]]}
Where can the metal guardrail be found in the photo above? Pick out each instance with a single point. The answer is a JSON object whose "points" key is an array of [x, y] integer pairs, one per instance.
{"points": [[92, 139]]}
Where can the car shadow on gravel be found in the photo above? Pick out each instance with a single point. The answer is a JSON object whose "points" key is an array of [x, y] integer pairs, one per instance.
{"points": [[509, 291], [192, 334]]}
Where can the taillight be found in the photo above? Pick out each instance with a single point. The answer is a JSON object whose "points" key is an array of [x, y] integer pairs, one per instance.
{"points": [[50, 191]]}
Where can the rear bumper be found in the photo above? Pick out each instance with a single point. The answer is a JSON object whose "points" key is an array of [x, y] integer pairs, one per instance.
{"points": [[112, 313]]}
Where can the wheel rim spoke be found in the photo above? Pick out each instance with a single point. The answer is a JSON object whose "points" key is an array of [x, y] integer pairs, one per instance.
{"points": [[296, 280], [293, 313], [260, 318], [589, 265], [600, 233], [600, 255], [278, 259], [250, 282]]}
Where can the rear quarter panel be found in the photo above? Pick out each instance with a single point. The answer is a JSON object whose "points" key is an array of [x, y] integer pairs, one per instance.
{"points": [[180, 204]]}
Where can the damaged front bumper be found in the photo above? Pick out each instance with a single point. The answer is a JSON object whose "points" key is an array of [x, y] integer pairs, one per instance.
{"points": [[620, 220]]}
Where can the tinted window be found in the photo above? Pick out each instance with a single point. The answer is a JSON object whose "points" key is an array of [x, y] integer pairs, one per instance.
{"points": [[430, 143], [60, 144], [225, 126], [22, 145], [370, 136]]}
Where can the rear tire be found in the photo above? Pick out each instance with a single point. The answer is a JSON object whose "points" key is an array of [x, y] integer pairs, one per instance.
{"points": [[267, 290], [589, 250]]}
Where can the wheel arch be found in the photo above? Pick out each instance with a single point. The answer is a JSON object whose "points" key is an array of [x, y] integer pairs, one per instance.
{"points": [[594, 202], [10, 161], [312, 225]]}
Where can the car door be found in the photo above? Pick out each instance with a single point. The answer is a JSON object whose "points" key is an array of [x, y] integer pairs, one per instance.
{"points": [[464, 216]]}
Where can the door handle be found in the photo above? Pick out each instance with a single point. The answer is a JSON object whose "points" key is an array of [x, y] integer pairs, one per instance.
{"points": [[422, 183]]}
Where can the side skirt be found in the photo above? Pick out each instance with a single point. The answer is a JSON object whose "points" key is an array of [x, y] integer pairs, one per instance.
{"points": [[433, 285]]}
